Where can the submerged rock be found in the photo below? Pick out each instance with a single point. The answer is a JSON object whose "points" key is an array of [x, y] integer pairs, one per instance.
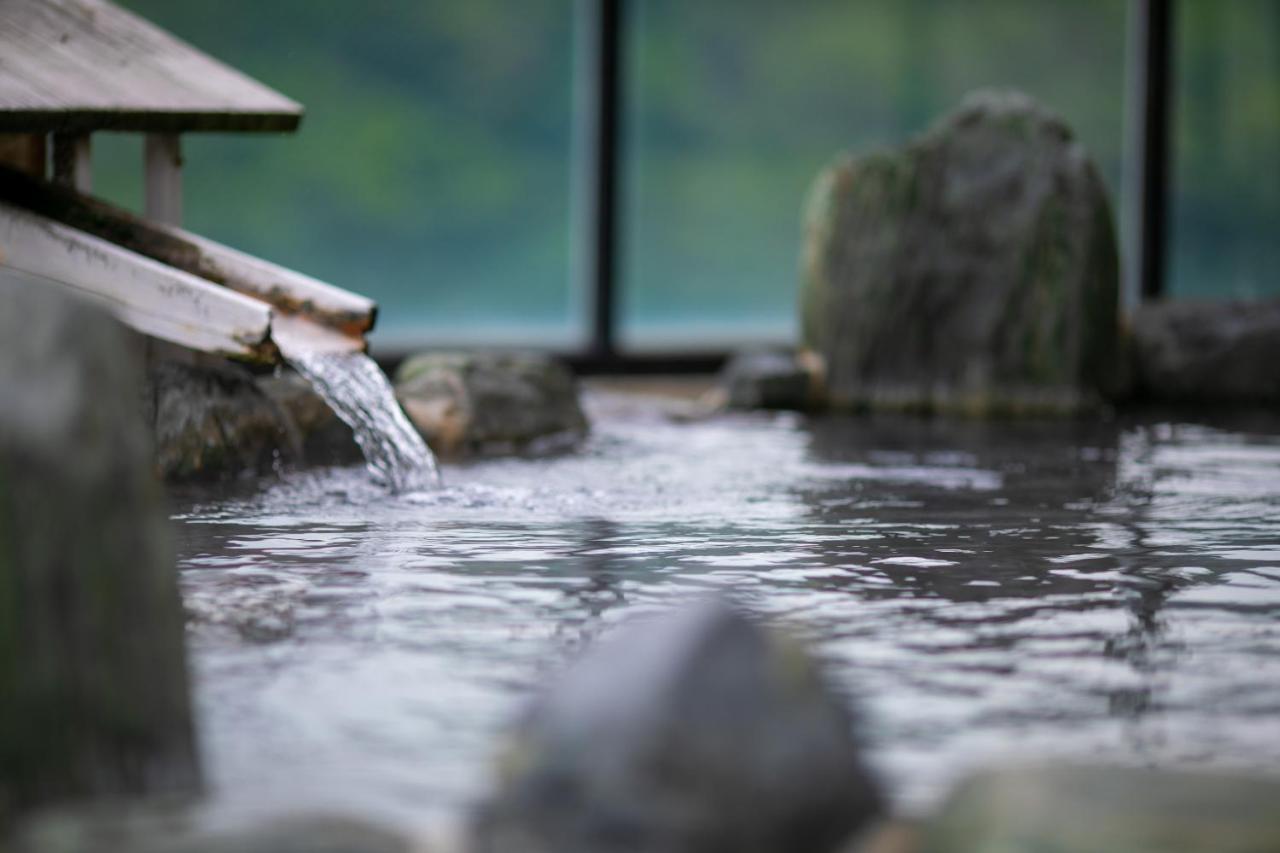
{"points": [[696, 731], [93, 679], [771, 379], [484, 403], [1195, 352], [1078, 809], [974, 270]]}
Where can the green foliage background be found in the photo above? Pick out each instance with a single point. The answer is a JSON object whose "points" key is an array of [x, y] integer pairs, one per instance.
{"points": [[433, 169]]}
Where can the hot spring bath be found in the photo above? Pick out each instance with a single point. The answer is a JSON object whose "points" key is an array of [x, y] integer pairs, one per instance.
{"points": [[985, 591]]}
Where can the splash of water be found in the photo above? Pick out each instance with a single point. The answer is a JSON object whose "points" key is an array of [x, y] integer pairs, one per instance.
{"points": [[358, 391]]}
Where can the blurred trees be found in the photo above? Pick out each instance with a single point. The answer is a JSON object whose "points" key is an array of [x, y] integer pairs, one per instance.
{"points": [[433, 170]]}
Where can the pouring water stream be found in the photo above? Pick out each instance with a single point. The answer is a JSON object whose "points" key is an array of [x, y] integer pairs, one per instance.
{"points": [[358, 392]]}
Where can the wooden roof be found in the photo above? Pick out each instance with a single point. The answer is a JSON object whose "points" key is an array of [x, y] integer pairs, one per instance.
{"points": [[84, 65]]}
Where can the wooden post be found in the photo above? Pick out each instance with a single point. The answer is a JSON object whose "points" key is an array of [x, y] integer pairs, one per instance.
{"points": [[163, 163], [600, 92], [73, 161], [24, 152], [1151, 148]]}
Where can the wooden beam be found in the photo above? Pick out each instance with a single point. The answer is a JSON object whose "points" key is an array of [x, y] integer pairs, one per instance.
{"points": [[289, 291], [163, 169], [73, 161], [155, 299]]}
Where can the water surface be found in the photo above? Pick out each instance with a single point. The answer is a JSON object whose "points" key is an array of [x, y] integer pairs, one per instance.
{"points": [[987, 592]]}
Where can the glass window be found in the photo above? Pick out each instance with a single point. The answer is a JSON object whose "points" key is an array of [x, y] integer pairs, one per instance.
{"points": [[735, 105], [1226, 150], [431, 171]]}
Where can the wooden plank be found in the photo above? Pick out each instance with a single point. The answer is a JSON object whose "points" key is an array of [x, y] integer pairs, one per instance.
{"points": [[287, 290], [155, 299], [162, 161], [81, 65], [73, 161], [295, 334]]}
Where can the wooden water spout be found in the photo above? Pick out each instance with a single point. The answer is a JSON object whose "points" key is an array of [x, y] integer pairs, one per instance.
{"points": [[153, 298], [170, 283]]}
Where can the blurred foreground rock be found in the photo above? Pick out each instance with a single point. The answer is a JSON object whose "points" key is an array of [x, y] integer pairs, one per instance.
{"points": [[696, 731], [772, 379], [150, 829], [974, 270], [484, 403], [1207, 353], [93, 679], [1068, 809]]}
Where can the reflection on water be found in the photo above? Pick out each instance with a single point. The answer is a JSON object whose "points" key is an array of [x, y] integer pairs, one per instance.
{"points": [[989, 592]]}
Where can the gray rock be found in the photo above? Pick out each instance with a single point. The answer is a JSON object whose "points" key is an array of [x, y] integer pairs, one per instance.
{"points": [[151, 828], [771, 379], [1082, 809], [216, 420], [212, 421], [484, 403], [696, 731], [974, 270], [93, 679], [323, 437], [1192, 352]]}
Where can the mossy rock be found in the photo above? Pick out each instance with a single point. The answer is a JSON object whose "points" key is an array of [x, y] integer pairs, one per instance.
{"points": [[1099, 809], [490, 403], [974, 270]]}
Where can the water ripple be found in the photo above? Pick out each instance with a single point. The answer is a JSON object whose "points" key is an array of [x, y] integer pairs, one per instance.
{"points": [[1071, 589]]}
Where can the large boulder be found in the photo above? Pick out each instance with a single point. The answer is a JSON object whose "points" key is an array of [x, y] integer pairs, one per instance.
{"points": [[1208, 353], [93, 678], [479, 403], [697, 731], [974, 270], [1098, 809]]}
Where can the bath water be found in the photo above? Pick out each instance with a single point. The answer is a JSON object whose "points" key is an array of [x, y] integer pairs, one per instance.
{"points": [[984, 592]]}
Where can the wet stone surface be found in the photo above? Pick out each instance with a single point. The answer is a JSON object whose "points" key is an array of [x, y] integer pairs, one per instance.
{"points": [[771, 379], [483, 404], [212, 421], [1207, 353]]}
